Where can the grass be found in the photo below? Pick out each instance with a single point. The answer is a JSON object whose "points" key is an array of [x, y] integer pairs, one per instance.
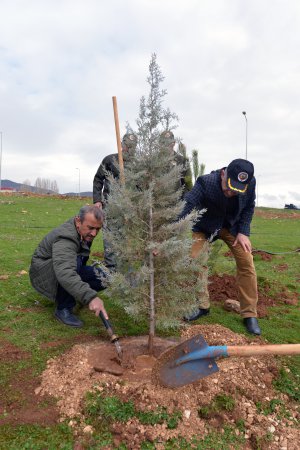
{"points": [[220, 403], [111, 409], [33, 437], [27, 322]]}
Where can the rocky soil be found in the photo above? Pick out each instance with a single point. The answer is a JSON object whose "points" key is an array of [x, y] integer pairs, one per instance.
{"points": [[94, 366]]}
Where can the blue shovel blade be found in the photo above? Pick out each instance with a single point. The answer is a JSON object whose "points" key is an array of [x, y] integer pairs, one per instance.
{"points": [[172, 375]]}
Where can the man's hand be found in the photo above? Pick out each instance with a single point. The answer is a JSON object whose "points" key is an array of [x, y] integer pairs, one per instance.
{"points": [[99, 204], [244, 241], [96, 305]]}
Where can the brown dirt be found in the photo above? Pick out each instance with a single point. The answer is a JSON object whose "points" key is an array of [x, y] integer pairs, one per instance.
{"points": [[280, 215], [222, 287], [247, 380], [18, 403]]}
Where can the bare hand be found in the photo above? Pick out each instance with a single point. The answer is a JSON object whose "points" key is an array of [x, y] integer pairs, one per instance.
{"points": [[244, 241], [99, 204], [96, 305]]}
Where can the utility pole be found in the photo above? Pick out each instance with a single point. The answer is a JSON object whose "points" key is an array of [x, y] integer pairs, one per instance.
{"points": [[244, 112]]}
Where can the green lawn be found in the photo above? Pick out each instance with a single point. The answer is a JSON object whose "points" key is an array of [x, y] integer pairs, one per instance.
{"points": [[26, 318]]}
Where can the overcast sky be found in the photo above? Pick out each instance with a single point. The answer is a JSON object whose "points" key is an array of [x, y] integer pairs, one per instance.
{"points": [[61, 61]]}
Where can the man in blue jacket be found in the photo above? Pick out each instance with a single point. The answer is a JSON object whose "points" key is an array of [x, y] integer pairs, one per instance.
{"points": [[228, 196]]}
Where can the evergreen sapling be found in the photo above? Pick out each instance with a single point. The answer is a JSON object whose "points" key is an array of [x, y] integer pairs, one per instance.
{"points": [[156, 278]]}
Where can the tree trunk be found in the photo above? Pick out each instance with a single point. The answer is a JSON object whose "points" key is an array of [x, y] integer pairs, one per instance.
{"points": [[152, 298]]}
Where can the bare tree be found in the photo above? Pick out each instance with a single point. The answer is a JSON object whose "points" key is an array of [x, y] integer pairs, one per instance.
{"points": [[45, 185], [26, 186]]}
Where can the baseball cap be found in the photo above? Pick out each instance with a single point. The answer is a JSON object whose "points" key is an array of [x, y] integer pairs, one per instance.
{"points": [[239, 174]]}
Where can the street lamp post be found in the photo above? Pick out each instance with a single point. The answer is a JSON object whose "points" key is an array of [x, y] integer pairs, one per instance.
{"points": [[244, 112], [78, 181]]}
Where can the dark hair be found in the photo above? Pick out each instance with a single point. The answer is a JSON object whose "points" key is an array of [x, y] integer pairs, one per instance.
{"points": [[90, 209]]}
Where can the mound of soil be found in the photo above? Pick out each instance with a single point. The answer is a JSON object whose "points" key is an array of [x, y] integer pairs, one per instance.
{"points": [[91, 366], [222, 287]]}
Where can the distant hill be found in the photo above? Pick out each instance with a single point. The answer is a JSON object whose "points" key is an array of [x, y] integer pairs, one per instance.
{"points": [[21, 187]]}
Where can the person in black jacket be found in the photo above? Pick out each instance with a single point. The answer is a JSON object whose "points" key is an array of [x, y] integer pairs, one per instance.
{"points": [[101, 188], [110, 165], [228, 196], [167, 141]]}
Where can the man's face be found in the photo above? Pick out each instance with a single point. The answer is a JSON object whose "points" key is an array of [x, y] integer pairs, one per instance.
{"points": [[128, 152], [89, 228], [226, 191]]}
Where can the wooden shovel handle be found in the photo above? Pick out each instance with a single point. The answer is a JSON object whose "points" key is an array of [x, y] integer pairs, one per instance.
{"points": [[252, 350], [118, 137]]}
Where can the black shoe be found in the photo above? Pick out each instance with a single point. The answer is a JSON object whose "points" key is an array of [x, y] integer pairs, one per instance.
{"points": [[252, 326], [201, 312], [65, 316]]}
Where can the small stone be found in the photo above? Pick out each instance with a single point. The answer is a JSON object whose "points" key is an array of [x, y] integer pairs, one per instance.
{"points": [[37, 390], [271, 429], [187, 413], [88, 429], [232, 305]]}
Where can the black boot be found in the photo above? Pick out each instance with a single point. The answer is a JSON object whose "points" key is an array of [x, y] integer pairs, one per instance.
{"points": [[196, 315], [252, 326], [66, 317]]}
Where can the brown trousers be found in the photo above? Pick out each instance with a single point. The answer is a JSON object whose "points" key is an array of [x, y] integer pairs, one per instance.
{"points": [[245, 273]]}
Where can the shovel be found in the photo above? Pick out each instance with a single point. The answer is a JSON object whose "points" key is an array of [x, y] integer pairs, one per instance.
{"points": [[194, 359], [114, 339]]}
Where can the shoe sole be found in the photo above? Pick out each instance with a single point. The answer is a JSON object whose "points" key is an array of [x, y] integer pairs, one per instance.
{"points": [[67, 324]]}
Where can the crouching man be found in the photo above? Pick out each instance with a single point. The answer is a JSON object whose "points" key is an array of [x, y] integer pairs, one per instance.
{"points": [[58, 267]]}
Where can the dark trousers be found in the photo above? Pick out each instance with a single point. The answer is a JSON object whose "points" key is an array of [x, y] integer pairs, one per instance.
{"points": [[89, 275]]}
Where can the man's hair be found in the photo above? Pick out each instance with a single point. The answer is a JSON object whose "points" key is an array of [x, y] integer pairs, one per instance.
{"points": [[90, 209], [129, 140]]}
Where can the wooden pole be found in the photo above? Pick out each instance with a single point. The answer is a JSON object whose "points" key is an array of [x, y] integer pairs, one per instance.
{"points": [[120, 155], [253, 350]]}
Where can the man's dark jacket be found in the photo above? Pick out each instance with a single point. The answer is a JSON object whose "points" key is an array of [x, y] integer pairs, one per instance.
{"points": [[109, 164], [55, 261], [101, 182], [207, 194]]}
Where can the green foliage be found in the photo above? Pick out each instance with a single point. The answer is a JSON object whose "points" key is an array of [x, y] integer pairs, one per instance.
{"points": [[142, 216], [27, 323], [288, 382], [195, 162], [213, 440], [112, 409], [273, 406], [221, 402], [109, 408], [188, 179], [33, 437]]}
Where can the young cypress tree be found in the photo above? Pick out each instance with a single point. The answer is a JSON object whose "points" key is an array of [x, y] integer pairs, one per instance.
{"points": [[156, 279]]}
